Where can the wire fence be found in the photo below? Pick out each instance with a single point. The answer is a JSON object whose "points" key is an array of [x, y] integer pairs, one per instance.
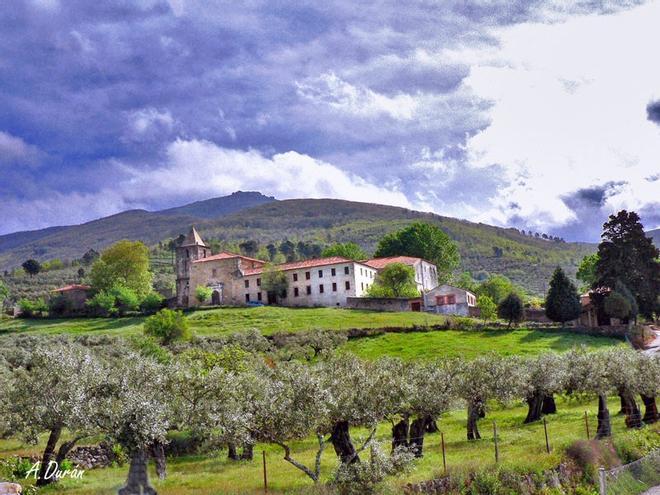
{"points": [[633, 478]]}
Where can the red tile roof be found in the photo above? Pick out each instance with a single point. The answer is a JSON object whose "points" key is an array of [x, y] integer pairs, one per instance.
{"points": [[380, 263], [296, 265], [67, 288], [225, 255]]}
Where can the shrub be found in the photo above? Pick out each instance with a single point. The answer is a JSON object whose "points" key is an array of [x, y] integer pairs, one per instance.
{"points": [[59, 306], [30, 309], [152, 302], [167, 325], [147, 347], [203, 293], [126, 300], [102, 304]]}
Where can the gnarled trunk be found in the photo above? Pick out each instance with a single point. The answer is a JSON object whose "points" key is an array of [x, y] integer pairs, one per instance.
{"points": [[400, 434], [650, 410], [158, 453], [631, 410], [549, 406], [535, 407], [419, 427], [138, 477], [604, 428], [341, 441], [248, 452], [475, 411], [232, 453], [47, 457]]}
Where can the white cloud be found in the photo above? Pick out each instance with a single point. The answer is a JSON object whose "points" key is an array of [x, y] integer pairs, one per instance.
{"points": [[145, 119], [329, 89], [198, 169], [569, 112], [15, 151]]}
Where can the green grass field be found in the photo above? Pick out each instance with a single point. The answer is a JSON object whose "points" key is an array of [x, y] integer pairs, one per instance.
{"points": [[520, 446], [221, 321]]}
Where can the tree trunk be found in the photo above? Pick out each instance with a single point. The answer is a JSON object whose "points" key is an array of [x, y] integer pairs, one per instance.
{"points": [[549, 406], [158, 453], [419, 427], [248, 452], [232, 454], [535, 407], [650, 410], [631, 410], [475, 411], [622, 401], [137, 482], [604, 428], [341, 441], [400, 434], [47, 456], [64, 450]]}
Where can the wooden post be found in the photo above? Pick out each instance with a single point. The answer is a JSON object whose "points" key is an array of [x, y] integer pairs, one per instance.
{"points": [[263, 455], [497, 452], [547, 443], [586, 423], [444, 458]]}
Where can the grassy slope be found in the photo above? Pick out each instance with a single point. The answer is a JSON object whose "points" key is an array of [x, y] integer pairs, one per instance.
{"points": [[521, 446]]}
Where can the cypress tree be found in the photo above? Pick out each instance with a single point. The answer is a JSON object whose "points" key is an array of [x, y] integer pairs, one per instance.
{"points": [[562, 303]]}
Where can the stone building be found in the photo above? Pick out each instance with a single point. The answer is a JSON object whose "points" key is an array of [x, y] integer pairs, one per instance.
{"points": [[75, 295], [235, 279]]}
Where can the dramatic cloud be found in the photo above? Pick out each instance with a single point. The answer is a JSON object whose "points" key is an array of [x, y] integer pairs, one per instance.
{"points": [[500, 111], [653, 111]]}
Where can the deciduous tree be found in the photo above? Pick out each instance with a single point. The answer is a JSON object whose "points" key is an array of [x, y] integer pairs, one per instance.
{"points": [[32, 267], [348, 250], [124, 264], [395, 280], [511, 309]]}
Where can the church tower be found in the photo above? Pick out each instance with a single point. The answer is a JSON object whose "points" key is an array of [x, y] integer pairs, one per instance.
{"points": [[192, 248]]}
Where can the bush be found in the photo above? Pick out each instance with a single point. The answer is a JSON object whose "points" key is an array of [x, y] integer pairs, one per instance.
{"points": [[203, 293], [152, 302], [167, 325], [149, 348], [511, 308], [59, 306], [102, 304], [30, 309], [126, 300]]}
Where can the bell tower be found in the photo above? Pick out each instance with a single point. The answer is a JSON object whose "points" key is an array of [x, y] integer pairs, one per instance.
{"points": [[192, 248]]}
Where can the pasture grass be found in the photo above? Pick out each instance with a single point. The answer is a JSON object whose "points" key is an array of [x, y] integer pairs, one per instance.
{"points": [[522, 447]]}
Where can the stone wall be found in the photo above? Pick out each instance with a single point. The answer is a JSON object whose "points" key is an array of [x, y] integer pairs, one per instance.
{"points": [[382, 303]]}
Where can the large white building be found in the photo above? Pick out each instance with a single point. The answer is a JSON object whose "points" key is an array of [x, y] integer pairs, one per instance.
{"points": [[235, 279]]}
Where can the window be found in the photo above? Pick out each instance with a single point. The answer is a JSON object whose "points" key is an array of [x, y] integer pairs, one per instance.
{"points": [[445, 300], [215, 272], [187, 253], [309, 290], [258, 282], [362, 285], [346, 270], [247, 298], [308, 275], [334, 286], [320, 273], [295, 292], [247, 284], [321, 289], [333, 272], [258, 296], [295, 277], [348, 285], [360, 271]]}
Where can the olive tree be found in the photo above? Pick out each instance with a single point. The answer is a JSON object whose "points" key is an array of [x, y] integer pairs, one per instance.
{"points": [[485, 378], [623, 367], [547, 375], [58, 389], [649, 385], [136, 414]]}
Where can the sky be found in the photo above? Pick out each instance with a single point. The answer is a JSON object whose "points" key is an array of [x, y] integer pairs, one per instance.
{"points": [[541, 115]]}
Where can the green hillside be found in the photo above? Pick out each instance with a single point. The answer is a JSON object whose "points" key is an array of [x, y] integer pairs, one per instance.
{"points": [[485, 249]]}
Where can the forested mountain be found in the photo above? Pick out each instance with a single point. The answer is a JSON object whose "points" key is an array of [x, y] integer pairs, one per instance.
{"points": [[485, 249]]}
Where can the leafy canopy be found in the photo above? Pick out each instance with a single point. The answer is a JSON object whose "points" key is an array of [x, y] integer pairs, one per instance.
{"points": [[275, 281], [124, 264], [167, 325], [395, 280], [348, 250], [511, 308], [497, 287], [426, 241], [31, 267]]}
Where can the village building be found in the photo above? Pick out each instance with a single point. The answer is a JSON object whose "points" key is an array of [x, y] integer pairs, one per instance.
{"points": [[235, 279], [450, 300], [75, 295]]}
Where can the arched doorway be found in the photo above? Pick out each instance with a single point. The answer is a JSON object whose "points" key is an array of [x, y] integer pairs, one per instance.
{"points": [[215, 298]]}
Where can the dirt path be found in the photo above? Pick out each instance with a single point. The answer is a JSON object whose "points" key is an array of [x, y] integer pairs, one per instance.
{"points": [[653, 491], [654, 346]]}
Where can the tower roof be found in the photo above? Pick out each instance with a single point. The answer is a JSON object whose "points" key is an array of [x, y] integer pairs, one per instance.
{"points": [[193, 239]]}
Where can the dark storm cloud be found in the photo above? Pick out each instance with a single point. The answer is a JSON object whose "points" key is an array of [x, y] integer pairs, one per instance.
{"points": [[592, 197], [653, 111], [91, 84]]}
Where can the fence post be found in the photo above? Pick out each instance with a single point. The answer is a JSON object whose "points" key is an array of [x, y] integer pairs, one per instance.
{"points": [[586, 422], [547, 442], [444, 458], [602, 481], [263, 455], [497, 453]]}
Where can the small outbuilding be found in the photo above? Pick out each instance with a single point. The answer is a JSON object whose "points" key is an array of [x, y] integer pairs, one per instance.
{"points": [[75, 295], [450, 300]]}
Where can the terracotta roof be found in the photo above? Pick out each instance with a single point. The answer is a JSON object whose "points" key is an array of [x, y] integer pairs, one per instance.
{"points": [[193, 238], [67, 288], [379, 263], [296, 265], [225, 255]]}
